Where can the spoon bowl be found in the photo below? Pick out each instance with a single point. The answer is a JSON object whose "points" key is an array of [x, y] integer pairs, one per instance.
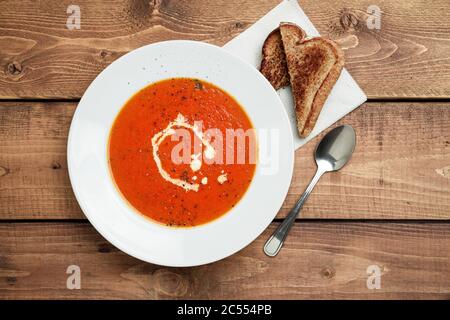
{"points": [[336, 148]]}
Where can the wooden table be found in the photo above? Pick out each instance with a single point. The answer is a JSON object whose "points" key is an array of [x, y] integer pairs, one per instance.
{"points": [[390, 207]]}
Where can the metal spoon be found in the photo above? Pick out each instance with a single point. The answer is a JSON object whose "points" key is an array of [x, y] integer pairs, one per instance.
{"points": [[332, 153]]}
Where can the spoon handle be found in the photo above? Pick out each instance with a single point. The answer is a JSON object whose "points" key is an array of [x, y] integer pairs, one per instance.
{"points": [[275, 242]]}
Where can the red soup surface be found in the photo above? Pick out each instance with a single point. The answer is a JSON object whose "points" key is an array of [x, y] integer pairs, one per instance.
{"points": [[157, 167]]}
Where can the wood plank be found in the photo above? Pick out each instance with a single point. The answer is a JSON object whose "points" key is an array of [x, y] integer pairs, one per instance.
{"points": [[34, 181], [41, 58], [400, 169], [319, 260]]}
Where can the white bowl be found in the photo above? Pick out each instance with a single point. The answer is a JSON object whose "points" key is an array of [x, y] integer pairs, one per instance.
{"points": [[89, 170]]}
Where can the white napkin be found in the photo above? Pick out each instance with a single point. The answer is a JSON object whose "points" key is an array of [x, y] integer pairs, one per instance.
{"points": [[346, 94]]}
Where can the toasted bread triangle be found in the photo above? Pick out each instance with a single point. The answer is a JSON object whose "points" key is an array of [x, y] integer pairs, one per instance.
{"points": [[325, 89], [273, 64], [314, 66]]}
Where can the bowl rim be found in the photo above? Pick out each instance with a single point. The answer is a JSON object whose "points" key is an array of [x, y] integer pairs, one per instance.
{"points": [[85, 207]]}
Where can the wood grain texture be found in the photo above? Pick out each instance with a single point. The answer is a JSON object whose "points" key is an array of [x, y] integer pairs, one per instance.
{"points": [[34, 181], [400, 169], [319, 260], [41, 58]]}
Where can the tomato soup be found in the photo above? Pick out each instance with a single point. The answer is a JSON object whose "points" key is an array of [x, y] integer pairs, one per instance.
{"points": [[174, 153]]}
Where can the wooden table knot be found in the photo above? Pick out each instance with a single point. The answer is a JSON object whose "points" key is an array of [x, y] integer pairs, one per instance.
{"points": [[11, 281], [104, 248], [56, 165], [349, 20], [106, 56], [239, 25], [103, 53], [328, 272], [4, 171], [170, 283], [14, 68]]}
